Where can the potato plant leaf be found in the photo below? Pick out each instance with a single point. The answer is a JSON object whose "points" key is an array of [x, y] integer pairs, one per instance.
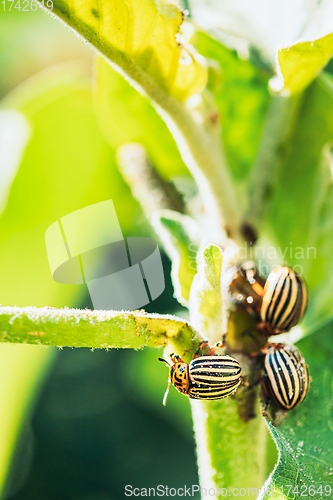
{"points": [[141, 39], [303, 194], [206, 295], [156, 62], [301, 62], [305, 438], [242, 99]]}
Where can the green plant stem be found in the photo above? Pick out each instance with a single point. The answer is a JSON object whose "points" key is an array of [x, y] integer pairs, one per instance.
{"points": [[202, 153], [231, 453], [95, 329], [147, 186], [200, 148], [273, 149]]}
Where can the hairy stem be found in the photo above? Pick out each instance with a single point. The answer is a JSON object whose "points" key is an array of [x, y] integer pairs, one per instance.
{"points": [[147, 186], [201, 149], [100, 329], [220, 432]]}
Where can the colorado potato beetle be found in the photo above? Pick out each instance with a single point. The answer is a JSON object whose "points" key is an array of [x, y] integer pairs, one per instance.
{"points": [[280, 302], [286, 377], [205, 377], [284, 299]]}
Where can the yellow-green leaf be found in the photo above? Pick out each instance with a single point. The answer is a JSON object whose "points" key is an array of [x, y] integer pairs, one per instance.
{"points": [[141, 38], [300, 63]]}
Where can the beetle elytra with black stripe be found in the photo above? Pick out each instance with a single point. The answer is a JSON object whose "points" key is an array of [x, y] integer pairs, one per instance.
{"points": [[205, 377], [286, 377], [280, 303], [284, 299]]}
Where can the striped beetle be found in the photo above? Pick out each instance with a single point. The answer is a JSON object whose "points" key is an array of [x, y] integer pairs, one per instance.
{"points": [[280, 302], [286, 377], [284, 299], [205, 377]]}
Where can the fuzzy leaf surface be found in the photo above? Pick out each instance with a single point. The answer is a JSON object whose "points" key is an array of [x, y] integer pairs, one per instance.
{"points": [[305, 438], [85, 328], [301, 62], [140, 38]]}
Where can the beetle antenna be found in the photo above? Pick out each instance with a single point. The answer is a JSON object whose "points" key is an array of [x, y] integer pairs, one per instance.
{"points": [[167, 392], [169, 382], [165, 361]]}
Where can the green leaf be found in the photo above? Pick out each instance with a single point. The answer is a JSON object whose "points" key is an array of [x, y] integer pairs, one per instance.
{"points": [[301, 62], [300, 212], [242, 99], [179, 235], [305, 438], [120, 35], [140, 38], [256, 29], [85, 328], [206, 313]]}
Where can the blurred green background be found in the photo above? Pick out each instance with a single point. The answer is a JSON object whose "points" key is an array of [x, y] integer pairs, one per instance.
{"points": [[98, 423]]}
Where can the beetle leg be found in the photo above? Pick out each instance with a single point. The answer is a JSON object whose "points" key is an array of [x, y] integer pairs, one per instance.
{"points": [[266, 329], [176, 358], [218, 344], [265, 406], [201, 346], [164, 361], [166, 392], [257, 288], [266, 395], [250, 273]]}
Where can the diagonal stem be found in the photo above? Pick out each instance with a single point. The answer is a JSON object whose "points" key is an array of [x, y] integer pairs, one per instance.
{"points": [[199, 143]]}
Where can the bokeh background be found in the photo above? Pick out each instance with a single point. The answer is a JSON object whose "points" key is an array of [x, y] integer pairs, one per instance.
{"points": [[93, 420]]}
